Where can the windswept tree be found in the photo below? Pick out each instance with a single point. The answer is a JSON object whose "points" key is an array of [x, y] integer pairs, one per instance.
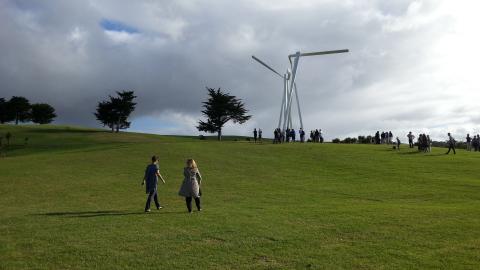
{"points": [[19, 108], [5, 115], [219, 109], [42, 113], [114, 113]]}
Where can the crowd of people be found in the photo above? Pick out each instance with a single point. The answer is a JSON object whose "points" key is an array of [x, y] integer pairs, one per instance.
{"points": [[290, 135], [316, 136], [383, 138], [423, 142], [473, 143]]}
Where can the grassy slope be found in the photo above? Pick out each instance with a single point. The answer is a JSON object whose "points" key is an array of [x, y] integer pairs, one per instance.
{"points": [[72, 199]]}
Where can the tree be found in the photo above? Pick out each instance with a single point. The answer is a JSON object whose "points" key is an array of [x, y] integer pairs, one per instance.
{"points": [[19, 107], [105, 114], [5, 115], [115, 112], [219, 109], [42, 113]]}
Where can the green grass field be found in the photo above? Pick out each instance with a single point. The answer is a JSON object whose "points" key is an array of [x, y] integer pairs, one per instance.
{"points": [[72, 199]]}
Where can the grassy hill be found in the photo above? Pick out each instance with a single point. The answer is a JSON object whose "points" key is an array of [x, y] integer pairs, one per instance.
{"points": [[71, 199]]}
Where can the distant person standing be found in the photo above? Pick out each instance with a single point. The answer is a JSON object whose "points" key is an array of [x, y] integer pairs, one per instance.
{"points": [[377, 137], [429, 144], [152, 173], [302, 135], [469, 143], [191, 185], [451, 144], [254, 135], [475, 143], [317, 136], [398, 143], [410, 137], [259, 135]]}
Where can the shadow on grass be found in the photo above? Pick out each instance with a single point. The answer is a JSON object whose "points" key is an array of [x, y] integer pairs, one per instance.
{"points": [[410, 153], [424, 154], [89, 214]]}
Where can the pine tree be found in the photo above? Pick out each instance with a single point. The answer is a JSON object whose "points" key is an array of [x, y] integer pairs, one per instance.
{"points": [[115, 112], [219, 109]]}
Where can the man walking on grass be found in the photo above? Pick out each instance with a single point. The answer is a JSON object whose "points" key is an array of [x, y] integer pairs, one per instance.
{"points": [[451, 144], [151, 180]]}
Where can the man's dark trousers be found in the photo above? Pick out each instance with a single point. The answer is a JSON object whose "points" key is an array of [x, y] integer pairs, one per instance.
{"points": [[149, 199], [451, 147]]}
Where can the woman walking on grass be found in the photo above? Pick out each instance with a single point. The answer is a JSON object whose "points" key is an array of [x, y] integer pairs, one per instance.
{"points": [[151, 180], [191, 185]]}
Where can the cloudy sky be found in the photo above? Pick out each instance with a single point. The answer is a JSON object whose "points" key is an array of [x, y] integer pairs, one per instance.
{"points": [[413, 65]]}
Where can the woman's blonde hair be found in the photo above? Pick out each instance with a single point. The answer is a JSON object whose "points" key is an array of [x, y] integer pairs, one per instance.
{"points": [[191, 164]]}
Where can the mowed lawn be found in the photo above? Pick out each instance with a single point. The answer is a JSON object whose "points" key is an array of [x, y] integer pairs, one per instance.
{"points": [[72, 199]]}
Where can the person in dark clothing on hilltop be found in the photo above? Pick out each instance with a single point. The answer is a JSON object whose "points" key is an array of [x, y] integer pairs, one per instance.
{"points": [[292, 134], [259, 135], [451, 144], [410, 137], [311, 136], [255, 135], [152, 173], [317, 135], [475, 142], [398, 143], [377, 137], [469, 143], [390, 137]]}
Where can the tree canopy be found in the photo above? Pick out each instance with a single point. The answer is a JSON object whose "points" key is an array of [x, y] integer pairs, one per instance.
{"points": [[19, 109], [42, 113], [5, 115], [219, 109], [114, 112]]}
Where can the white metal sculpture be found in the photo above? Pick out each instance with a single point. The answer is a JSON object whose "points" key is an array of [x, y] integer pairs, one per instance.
{"points": [[290, 87]]}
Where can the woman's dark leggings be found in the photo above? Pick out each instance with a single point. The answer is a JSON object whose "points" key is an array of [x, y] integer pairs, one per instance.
{"points": [[188, 200]]}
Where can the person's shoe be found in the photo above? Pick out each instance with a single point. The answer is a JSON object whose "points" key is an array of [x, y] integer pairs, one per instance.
{"points": [[147, 211], [160, 207], [200, 209]]}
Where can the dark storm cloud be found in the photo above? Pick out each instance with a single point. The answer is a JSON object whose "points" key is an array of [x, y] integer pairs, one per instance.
{"points": [[61, 52]]}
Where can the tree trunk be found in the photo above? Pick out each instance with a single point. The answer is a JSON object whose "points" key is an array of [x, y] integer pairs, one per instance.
{"points": [[219, 135]]}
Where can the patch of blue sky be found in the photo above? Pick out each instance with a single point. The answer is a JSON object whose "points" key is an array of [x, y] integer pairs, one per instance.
{"points": [[112, 25], [151, 124]]}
